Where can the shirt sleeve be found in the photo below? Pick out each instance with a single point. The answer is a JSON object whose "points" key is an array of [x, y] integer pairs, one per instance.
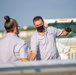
{"points": [[34, 44], [24, 51], [56, 31]]}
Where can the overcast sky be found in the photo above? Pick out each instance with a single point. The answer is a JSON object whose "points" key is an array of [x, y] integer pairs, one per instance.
{"points": [[25, 10]]}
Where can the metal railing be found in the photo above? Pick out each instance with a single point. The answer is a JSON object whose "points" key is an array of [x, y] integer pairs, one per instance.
{"points": [[53, 67]]}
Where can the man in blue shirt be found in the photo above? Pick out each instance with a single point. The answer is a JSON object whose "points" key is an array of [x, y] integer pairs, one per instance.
{"points": [[43, 41], [12, 48]]}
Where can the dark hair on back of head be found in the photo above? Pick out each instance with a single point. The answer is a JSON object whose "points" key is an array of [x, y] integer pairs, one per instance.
{"points": [[7, 18], [9, 24], [37, 18]]}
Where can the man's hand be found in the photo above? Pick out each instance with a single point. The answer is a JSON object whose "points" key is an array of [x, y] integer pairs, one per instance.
{"points": [[68, 29], [24, 59]]}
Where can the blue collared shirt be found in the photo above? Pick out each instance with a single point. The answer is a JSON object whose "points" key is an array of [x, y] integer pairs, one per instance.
{"points": [[45, 45], [12, 48]]}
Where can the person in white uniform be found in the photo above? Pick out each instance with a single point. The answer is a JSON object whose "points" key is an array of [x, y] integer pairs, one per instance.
{"points": [[12, 48], [43, 41]]}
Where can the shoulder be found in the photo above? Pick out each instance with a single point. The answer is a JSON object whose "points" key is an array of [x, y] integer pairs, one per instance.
{"points": [[51, 28], [34, 35], [21, 41]]}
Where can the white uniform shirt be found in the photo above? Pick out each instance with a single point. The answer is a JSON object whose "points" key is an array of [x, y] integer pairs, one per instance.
{"points": [[12, 48], [46, 45]]}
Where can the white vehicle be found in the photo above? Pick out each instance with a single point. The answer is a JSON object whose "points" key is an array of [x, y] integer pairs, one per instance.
{"points": [[66, 44]]}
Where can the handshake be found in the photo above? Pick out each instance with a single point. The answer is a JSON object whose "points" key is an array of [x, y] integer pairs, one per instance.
{"points": [[68, 29]]}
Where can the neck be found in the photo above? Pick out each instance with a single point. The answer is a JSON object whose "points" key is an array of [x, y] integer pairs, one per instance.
{"points": [[42, 33], [11, 32]]}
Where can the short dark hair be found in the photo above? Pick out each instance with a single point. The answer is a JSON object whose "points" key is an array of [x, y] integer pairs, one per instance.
{"points": [[10, 23], [37, 18]]}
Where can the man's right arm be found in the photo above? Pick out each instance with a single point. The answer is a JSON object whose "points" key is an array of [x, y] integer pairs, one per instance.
{"points": [[33, 55], [34, 46], [24, 52]]}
